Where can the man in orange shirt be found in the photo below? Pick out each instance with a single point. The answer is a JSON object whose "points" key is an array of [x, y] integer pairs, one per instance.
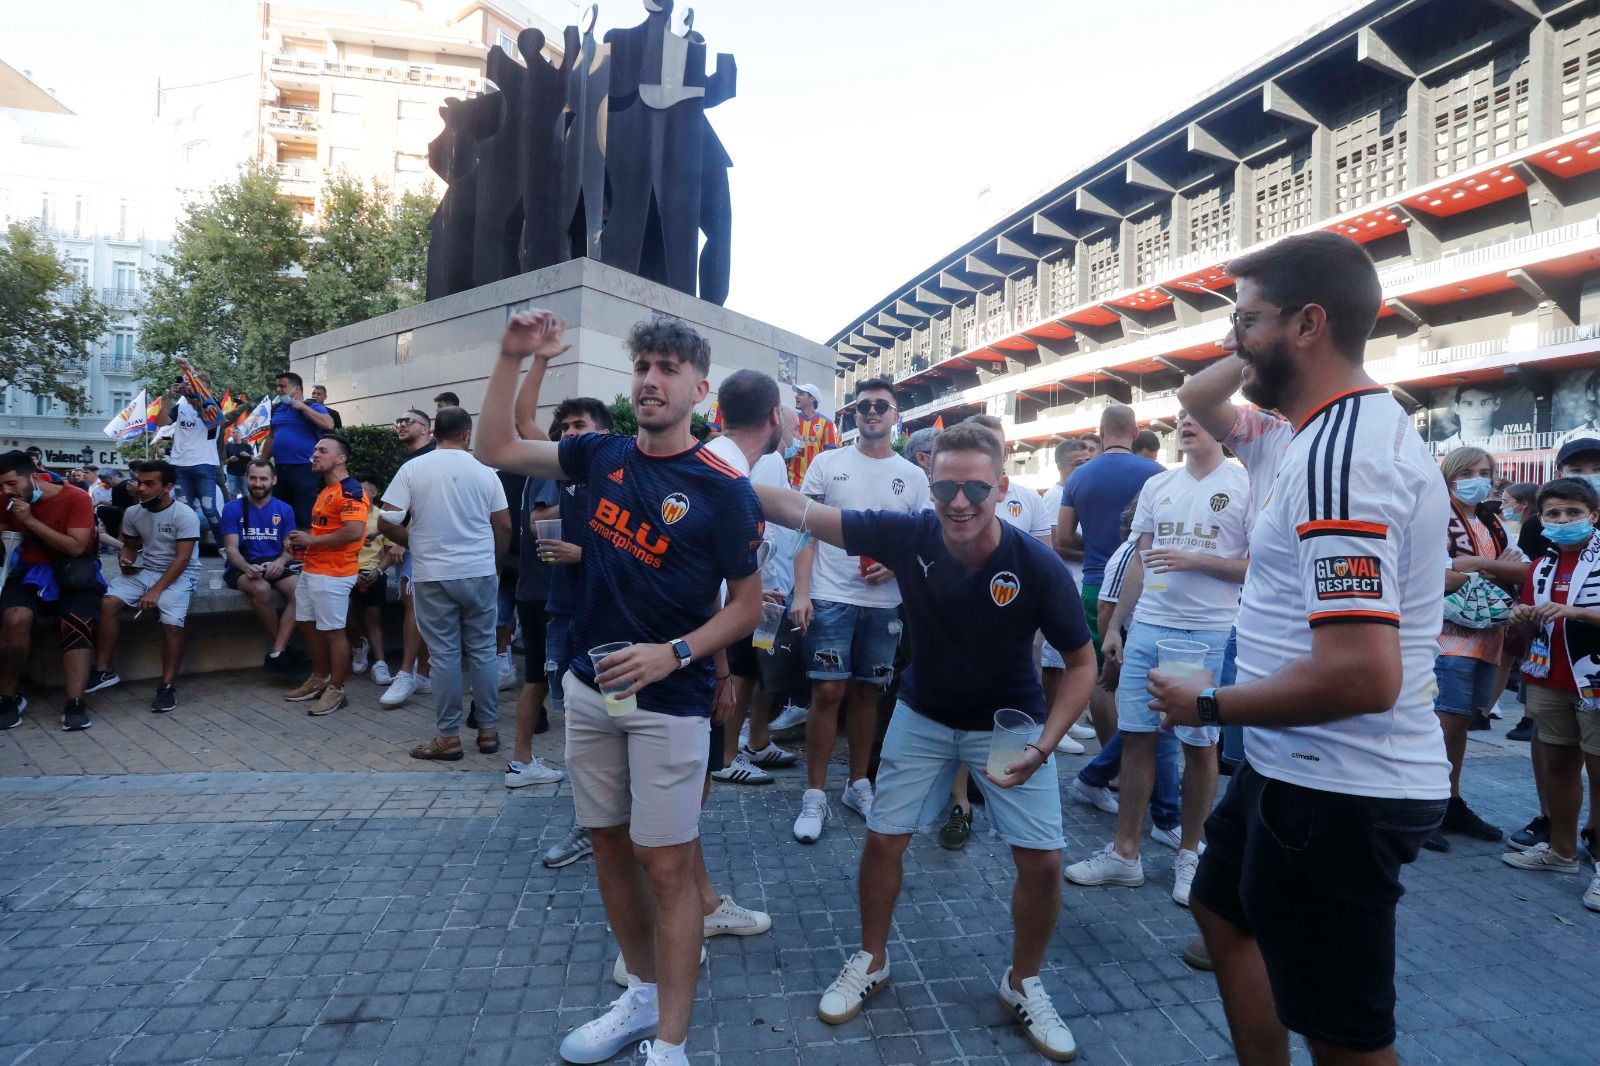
{"points": [[331, 551], [815, 435]]}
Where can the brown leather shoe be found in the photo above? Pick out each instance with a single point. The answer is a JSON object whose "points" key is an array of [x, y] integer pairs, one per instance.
{"points": [[1197, 956], [441, 749], [488, 741]]}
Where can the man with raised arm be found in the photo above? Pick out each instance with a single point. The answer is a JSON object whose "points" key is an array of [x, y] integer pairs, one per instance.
{"points": [[976, 591], [667, 523]]}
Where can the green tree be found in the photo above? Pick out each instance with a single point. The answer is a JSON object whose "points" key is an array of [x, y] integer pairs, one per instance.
{"points": [[624, 422], [47, 323], [370, 252], [230, 295]]}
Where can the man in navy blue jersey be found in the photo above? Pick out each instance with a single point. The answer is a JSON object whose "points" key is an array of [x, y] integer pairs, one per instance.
{"points": [[668, 522], [975, 590]]}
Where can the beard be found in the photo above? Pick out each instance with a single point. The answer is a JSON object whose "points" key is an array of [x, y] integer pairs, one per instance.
{"points": [[1270, 375]]}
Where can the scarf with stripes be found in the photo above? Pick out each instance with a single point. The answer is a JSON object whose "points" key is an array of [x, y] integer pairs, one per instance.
{"points": [[1582, 641]]}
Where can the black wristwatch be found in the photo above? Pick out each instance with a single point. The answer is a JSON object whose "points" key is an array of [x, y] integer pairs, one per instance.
{"points": [[680, 648], [1206, 704]]}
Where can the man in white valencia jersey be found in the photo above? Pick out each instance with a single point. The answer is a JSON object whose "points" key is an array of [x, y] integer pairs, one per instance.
{"points": [[1343, 601]]}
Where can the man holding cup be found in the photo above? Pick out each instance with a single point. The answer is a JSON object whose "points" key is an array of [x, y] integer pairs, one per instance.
{"points": [[668, 523], [1181, 589], [976, 591]]}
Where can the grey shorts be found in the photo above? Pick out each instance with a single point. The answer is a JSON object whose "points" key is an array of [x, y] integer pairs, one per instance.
{"points": [[644, 770]]}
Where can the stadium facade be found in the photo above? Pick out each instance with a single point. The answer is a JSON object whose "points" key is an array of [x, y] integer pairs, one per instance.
{"points": [[1458, 140]]}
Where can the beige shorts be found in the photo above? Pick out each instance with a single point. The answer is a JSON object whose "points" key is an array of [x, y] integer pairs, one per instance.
{"points": [[644, 770], [1555, 713]]}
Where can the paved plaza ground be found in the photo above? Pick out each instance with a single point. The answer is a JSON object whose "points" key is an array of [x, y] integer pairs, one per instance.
{"points": [[239, 883]]}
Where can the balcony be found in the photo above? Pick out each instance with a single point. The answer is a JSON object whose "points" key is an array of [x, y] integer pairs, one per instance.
{"points": [[298, 174], [300, 68], [294, 120], [1402, 274], [1461, 353], [116, 364], [122, 299]]}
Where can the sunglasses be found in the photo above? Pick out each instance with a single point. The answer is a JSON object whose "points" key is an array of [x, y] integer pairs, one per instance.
{"points": [[976, 491], [407, 422], [874, 407]]}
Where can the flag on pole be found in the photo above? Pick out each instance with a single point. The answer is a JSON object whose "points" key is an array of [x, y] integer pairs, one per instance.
{"points": [[150, 414], [938, 423], [127, 424], [256, 425]]}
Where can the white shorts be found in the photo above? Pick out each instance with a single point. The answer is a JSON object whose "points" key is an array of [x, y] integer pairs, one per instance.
{"points": [[1050, 659], [324, 600], [173, 602]]}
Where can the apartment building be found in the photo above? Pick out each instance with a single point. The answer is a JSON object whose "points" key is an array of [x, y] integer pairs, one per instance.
{"points": [[1458, 140], [360, 87]]}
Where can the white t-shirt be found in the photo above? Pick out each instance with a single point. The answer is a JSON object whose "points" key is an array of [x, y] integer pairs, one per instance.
{"points": [[1355, 538], [192, 443], [1209, 516], [1051, 505], [847, 478], [778, 574], [449, 496], [1116, 572], [1024, 509]]}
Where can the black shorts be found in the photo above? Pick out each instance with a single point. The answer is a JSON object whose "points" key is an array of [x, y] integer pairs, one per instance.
{"points": [[742, 659], [532, 621], [714, 756], [230, 576], [1315, 876], [374, 595], [783, 668], [84, 605]]}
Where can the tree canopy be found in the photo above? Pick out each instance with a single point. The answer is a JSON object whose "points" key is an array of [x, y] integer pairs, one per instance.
{"points": [[47, 322]]}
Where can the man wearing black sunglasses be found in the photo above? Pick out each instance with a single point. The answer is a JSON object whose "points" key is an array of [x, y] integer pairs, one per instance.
{"points": [[976, 590]]}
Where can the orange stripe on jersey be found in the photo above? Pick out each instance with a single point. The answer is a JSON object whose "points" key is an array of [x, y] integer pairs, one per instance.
{"points": [[717, 463], [1354, 616], [1333, 527]]}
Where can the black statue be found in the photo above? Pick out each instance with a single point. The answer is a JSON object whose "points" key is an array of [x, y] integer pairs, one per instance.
{"points": [[609, 155]]}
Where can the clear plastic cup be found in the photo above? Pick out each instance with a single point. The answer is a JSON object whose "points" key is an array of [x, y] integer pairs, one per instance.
{"points": [[615, 707], [766, 634], [1013, 731], [549, 528], [1181, 658]]}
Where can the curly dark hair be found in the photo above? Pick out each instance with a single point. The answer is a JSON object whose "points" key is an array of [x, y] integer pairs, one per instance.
{"points": [[670, 336]]}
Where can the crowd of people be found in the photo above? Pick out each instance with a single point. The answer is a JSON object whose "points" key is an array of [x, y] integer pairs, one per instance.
{"points": [[1307, 603]]}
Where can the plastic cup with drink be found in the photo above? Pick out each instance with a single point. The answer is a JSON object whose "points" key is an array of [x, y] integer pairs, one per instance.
{"points": [[616, 706], [1180, 658], [865, 562], [548, 529], [1014, 730], [766, 635]]}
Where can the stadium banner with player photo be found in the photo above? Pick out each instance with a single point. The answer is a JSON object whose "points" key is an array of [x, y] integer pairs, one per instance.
{"points": [[1494, 415]]}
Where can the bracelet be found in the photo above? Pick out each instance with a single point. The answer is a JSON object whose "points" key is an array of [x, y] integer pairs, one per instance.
{"points": [[1043, 754], [804, 514]]}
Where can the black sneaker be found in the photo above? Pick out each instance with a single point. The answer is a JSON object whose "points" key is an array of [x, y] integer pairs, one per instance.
{"points": [[953, 837], [281, 664], [75, 717], [1479, 723], [1459, 818], [1522, 731], [472, 715], [1436, 841], [1590, 844], [101, 679], [166, 699], [11, 708], [1532, 835]]}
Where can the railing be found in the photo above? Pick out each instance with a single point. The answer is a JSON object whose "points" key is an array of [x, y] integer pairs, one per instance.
{"points": [[1502, 442], [296, 171], [291, 118], [116, 364], [1584, 331], [1406, 273], [122, 299], [1203, 257], [409, 73], [1461, 353]]}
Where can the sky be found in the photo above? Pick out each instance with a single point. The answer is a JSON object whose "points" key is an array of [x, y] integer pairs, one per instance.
{"points": [[869, 137]]}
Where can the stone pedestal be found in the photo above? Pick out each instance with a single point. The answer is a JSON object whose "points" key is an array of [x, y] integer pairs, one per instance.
{"points": [[378, 368]]}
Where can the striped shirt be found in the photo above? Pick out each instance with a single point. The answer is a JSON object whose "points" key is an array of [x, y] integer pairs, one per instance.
{"points": [[816, 435]]}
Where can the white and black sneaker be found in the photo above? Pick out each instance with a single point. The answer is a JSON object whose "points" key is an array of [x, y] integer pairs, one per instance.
{"points": [[75, 717], [101, 679], [770, 757], [166, 699], [852, 988], [743, 772], [1033, 1009], [572, 847], [11, 708]]}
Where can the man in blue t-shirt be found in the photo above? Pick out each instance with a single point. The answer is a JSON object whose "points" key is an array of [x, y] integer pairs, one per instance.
{"points": [[255, 546], [667, 524], [975, 590], [296, 425]]}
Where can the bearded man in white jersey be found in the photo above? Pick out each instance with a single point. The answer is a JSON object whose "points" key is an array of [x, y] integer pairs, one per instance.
{"points": [[1343, 601]]}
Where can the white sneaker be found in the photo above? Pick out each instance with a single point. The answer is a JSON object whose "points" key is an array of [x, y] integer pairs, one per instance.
{"points": [[1541, 858], [850, 990], [1068, 746], [508, 672], [1082, 731], [769, 757], [620, 974], [658, 1054], [743, 772], [858, 797], [1032, 1007], [536, 772], [1106, 867], [1103, 798], [380, 672], [424, 684], [814, 814], [1183, 876], [632, 1017], [744, 732], [400, 689], [358, 657], [1170, 837], [792, 717], [1591, 898], [730, 919]]}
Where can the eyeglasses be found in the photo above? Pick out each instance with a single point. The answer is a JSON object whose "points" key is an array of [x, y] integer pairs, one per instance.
{"points": [[976, 491], [873, 407], [407, 422], [1243, 320]]}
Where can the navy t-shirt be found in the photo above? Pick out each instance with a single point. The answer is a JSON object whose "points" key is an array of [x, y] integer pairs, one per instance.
{"points": [[565, 581], [262, 531], [533, 576], [662, 534], [1099, 491], [971, 631], [293, 434]]}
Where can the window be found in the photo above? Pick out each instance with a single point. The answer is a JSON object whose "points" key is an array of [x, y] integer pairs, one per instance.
{"points": [[406, 163], [1105, 266], [413, 110], [125, 276], [47, 210], [1211, 218], [1063, 285], [82, 222], [1580, 74], [343, 157], [80, 269], [120, 398], [122, 343], [1369, 150], [1152, 246], [127, 223], [346, 104], [1283, 194], [506, 43], [42, 405], [1483, 113]]}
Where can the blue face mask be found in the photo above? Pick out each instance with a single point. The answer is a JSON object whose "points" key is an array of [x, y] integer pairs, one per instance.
{"points": [[792, 450], [1593, 480], [1511, 514], [1567, 534], [1472, 490]]}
